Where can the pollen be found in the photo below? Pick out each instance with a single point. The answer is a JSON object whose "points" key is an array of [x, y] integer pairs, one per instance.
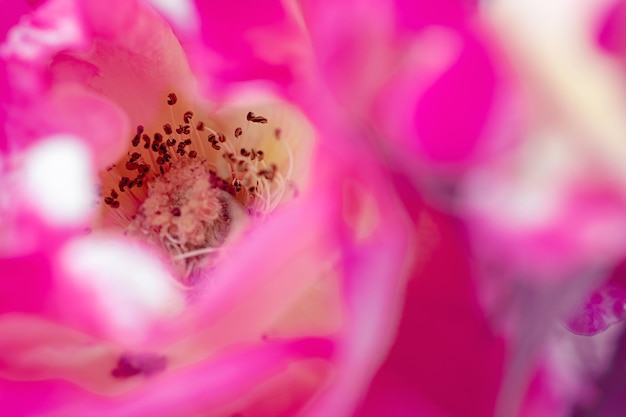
{"points": [[184, 214]]}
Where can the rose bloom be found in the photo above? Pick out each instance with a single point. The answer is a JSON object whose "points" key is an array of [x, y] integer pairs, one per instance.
{"points": [[177, 236], [310, 208]]}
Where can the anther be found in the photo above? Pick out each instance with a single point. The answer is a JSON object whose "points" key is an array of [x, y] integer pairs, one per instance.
{"points": [[114, 194], [108, 201], [200, 125], [123, 183], [135, 156], [260, 155], [131, 166], [238, 132], [167, 128], [176, 212], [171, 142], [211, 138], [146, 139], [135, 141], [160, 160], [193, 154], [171, 99], [221, 137], [187, 141], [216, 146], [251, 117], [277, 133], [115, 204], [187, 116]]}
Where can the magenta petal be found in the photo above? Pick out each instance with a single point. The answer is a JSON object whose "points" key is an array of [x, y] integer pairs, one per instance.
{"points": [[249, 36], [25, 283], [612, 34], [451, 114], [9, 17], [601, 309], [416, 14]]}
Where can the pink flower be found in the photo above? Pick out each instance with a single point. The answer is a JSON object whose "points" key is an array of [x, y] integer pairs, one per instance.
{"points": [[293, 316]]}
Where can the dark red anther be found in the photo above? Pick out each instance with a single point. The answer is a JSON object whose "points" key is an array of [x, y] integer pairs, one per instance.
{"points": [[158, 137], [252, 154], [187, 116], [132, 183], [186, 129], [244, 152], [162, 170], [146, 139], [216, 146], [171, 142], [155, 147], [115, 204], [167, 157], [162, 149], [221, 137], [258, 119], [139, 129], [250, 116], [144, 168], [176, 212], [187, 141], [252, 189], [180, 151], [200, 125], [167, 128], [260, 155], [108, 201], [238, 132], [131, 166], [135, 156], [114, 194], [160, 160], [171, 99], [135, 141], [139, 182], [179, 129], [193, 154], [211, 138], [123, 183]]}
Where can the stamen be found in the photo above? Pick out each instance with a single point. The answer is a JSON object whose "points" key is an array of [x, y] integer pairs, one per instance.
{"points": [[171, 99]]}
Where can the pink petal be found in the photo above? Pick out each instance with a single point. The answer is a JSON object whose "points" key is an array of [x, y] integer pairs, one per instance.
{"points": [[206, 385]]}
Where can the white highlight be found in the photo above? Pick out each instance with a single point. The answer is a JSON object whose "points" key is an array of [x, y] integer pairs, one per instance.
{"points": [[182, 13], [129, 283], [58, 179]]}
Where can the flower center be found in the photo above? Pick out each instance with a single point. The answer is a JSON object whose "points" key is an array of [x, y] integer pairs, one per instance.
{"points": [[184, 187]]}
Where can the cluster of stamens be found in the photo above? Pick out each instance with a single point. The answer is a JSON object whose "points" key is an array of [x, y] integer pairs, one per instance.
{"points": [[194, 175]]}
